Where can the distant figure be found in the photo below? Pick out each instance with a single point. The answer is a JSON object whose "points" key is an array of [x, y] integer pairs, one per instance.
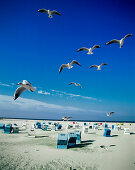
{"points": [[98, 67], [50, 13], [109, 114], [69, 65], [76, 84], [25, 85], [119, 41], [88, 49]]}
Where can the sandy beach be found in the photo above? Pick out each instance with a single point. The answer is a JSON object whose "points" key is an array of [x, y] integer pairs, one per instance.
{"points": [[18, 151]]}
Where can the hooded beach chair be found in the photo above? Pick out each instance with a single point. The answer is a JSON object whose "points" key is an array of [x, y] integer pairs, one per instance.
{"points": [[107, 132], [62, 142]]}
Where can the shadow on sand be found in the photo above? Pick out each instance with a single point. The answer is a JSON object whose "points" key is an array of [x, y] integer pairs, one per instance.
{"points": [[41, 136], [83, 144], [114, 136], [131, 133]]}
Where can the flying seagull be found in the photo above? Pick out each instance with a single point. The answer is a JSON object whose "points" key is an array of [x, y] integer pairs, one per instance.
{"points": [[69, 65], [109, 114], [25, 85], [50, 13], [119, 41], [98, 67], [88, 49], [76, 84]]}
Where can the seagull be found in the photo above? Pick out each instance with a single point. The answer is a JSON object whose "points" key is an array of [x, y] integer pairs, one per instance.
{"points": [[76, 84], [98, 67], [50, 13], [25, 85], [88, 49], [69, 65], [119, 41], [109, 114]]}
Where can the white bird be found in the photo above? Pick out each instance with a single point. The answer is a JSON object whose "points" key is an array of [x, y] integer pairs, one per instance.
{"points": [[98, 67], [25, 85], [76, 84], [119, 41], [88, 49], [50, 13], [109, 114], [69, 65]]}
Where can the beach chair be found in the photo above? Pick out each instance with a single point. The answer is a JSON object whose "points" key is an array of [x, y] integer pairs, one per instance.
{"points": [[55, 124], [78, 137], [8, 128], [38, 125], [90, 127], [45, 127], [62, 142], [53, 128], [118, 127], [95, 126], [126, 131], [15, 128], [85, 129], [2, 126], [49, 128], [106, 125], [69, 126], [76, 125], [59, 127], [107, 132], [72, 139]]}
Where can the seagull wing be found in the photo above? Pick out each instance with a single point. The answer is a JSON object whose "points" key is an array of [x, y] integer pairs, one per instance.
{"points": [[128, 35], [26, 83], [55, 12], [103, 64], [113, 41], [18, 92], [95, 46], [62, 66], [43, 10], [75, 62], [82, 49], [112, 112], [71, 83], [93, 66], [108, 114], [79, 85]]}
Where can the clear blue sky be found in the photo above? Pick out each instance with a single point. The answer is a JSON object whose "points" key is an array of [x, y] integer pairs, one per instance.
{"points": [[33, 46]]}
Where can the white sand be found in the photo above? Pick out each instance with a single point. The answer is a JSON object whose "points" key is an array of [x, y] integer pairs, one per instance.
{"points": [[18, 151]]}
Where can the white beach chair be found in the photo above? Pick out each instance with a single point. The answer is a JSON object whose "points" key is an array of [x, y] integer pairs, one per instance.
{"points": [[85, 129], [126, 131]]}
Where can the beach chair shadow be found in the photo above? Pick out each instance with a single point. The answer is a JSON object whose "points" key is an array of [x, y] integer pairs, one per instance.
{"points": [[82, 145], [114, 135], [41, 136], [132, 133], [87, 141], [92, 133]]}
